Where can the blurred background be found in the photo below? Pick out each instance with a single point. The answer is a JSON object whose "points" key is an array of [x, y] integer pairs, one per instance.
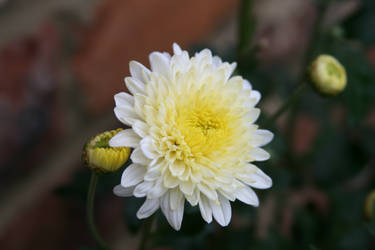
{"points": [[61, 62]]}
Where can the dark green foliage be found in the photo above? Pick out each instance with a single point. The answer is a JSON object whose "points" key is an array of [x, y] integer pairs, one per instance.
{"points": [[361, 25]]}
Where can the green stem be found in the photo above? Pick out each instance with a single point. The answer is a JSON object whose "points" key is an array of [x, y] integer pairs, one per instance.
{"points": [[246, 29], [146, 231], [90, 211], [292, 99]]}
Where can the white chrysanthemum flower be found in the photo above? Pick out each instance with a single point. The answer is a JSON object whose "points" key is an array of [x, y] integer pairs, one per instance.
{"points": [[193, 134]]}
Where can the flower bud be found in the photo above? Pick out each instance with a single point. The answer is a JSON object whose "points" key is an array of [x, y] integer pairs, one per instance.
{"points": [[99, 156], [369, 205], [328, 75]]}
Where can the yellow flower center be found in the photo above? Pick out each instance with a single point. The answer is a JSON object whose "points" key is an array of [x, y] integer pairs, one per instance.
{"points": [[204, 130]]}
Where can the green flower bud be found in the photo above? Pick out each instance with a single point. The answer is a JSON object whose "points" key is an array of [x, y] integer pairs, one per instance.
{"points": [[327, 75], [99, 156]]}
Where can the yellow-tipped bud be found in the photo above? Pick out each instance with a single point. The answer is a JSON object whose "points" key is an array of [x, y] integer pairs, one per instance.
{"points": [[99, 156], [369, 205], [328, 75]]}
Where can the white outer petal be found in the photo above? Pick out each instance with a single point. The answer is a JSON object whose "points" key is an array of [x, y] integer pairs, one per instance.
{"points": [[174, 217], [153, 172], [140, 128], [260, 180], [222, 212], [157, 190], [148, 148], [125, 138], [139, 71], [133, 175], [176, 49], [253, 115], [256, 96], [261, 137], [126, 115], [194, 198], [248, 196], [247, 85], [122, 191], [259, 154], [205, 208], [148, 208], [160, 64], [187, 187], [124, 99], [175, 197], [142, 189], [216, 61], [210, 193], [134, 85], [137, 156]]}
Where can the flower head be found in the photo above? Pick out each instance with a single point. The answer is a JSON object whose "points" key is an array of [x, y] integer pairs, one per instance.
{"points": [[328, 75], [193, 134], [99, 156]]}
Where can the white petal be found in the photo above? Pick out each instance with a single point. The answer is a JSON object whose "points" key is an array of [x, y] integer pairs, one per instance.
{"points": [[170, 181], [160, 64], [137, 156], [177, 168], [194, 198], [122, 191], [180, 64], [140, 128], [228, 70], [153, 173], [261, 137], [167, 55], [125, 138], [139, 103], [248, 196], [174, 198], [253, 115], [187, 187], [126, 115], [139, 71], [205, 208], [148, 148], [124, 99], [256, 96], [174, 217], [157, 191], [216, 61], [228, 195], [247, 85], [176, 49], [259, 154], [134, 85], [210, 193], [222, 212], [148, 208], [260, 180], [142, 189], [133, 175]]}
